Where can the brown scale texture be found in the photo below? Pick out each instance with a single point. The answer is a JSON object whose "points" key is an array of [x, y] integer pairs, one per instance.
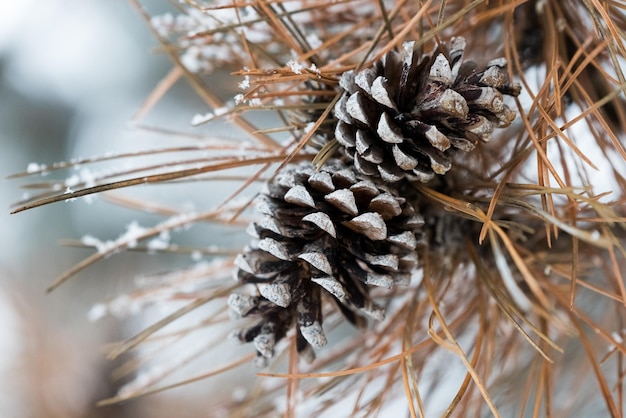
{"points": [[405, 116], [331, 231]]}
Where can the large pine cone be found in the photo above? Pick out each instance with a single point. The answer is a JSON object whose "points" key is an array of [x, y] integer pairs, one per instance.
{"points": [[330, 231], [402, 117]]}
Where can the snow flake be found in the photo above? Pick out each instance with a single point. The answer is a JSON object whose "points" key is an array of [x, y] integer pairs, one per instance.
{"points": [[295, 67], [35, 167], [162, 242], [97, 312], [132, 234], [199, 119], [100, 246], [245, 84]]}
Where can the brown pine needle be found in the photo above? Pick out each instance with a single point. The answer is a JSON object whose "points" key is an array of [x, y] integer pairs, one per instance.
{"points": [[216, 372]]}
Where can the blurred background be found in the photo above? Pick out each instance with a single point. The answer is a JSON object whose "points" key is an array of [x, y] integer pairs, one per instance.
{"points": [[72, 75]]}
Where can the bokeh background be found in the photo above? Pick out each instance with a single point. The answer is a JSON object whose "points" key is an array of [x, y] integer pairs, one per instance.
{"points": [[72, 75]]}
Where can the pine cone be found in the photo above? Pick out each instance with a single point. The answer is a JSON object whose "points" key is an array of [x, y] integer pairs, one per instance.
{"points": [[331, 231], [402, 117]]}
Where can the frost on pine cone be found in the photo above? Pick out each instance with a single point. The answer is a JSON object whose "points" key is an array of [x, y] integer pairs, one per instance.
{"points": [[402, 117], [330, 231]]}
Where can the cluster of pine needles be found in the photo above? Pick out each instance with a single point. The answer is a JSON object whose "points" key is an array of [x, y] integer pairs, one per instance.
{"points": [[518, 308]]}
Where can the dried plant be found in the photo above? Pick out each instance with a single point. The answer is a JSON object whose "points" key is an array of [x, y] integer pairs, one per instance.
{"points": [[513, 237]]}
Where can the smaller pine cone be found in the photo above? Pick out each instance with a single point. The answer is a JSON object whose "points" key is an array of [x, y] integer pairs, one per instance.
{"points": [[402, 117], [330, 231]]}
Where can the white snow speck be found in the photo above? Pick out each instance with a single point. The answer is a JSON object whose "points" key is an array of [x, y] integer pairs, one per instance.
{"points": [[128, 239], [295, 67], [158, 244], [84, 176], [87, 177], [200, 119], [133, 231], [162, 242], [97, 311], [245, 84], [100, 246], [191, 59], [72, 181], [221, 110], [309, 127], [162, 23], [34, 167], [314, 68]]}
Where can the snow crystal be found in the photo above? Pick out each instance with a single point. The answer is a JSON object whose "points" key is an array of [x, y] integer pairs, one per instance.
{"points": [[69, 191], [314, 68], [100, 246], [72, 181], [595, 235], [219, 111], [158, 244], [309, 127], [87, 177], [162, 23], [199, 119], [617, 337], [133, 232], [89, 199], [128, 238], [162, 242], [245, 84], [540, 6], [185, 23], [123, 306], [190, 59], [34, 167], [179, 221], [295, 67], [84, 176], [254, 102], [97, 311]]}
